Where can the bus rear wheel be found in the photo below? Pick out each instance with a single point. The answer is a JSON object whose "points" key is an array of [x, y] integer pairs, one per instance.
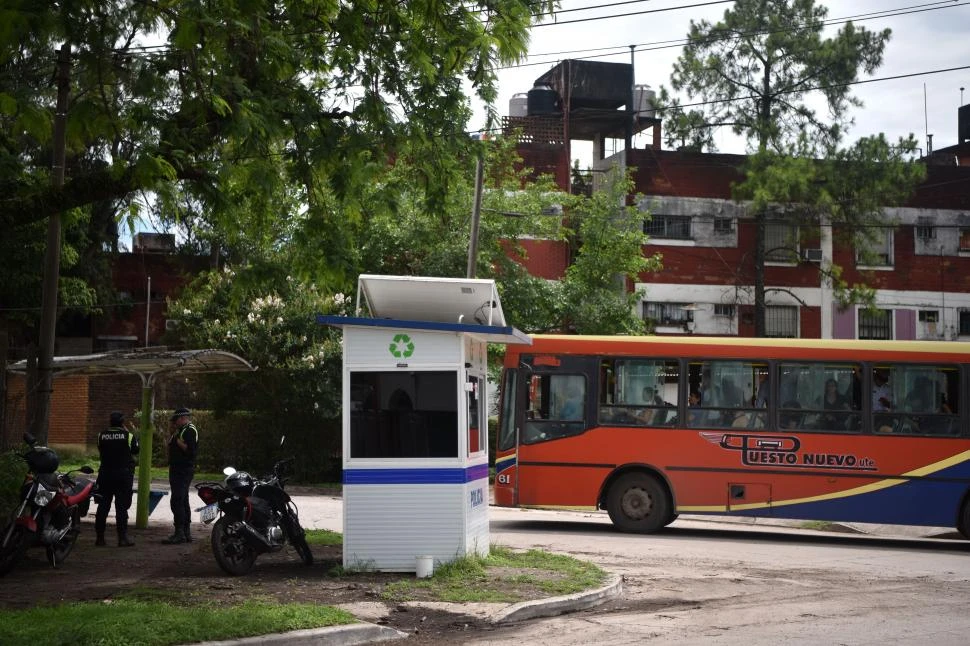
{"points": [[638, 503]]}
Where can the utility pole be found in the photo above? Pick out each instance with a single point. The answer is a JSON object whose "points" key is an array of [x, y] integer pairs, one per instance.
{"points": [[52, 256], [476, 216]]}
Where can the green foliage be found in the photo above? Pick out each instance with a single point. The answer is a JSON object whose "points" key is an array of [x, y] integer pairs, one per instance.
{"points": [[157, 623], [412, 236], [324, 537], [610, 253], [12, 471], [268, 317], [284, 96]]}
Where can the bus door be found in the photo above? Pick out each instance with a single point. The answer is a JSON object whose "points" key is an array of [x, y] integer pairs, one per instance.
{"points": [[549, 398]]}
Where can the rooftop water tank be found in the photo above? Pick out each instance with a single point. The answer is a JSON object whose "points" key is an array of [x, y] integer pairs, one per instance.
{"points": [[519, 105], [643, 101], [543, 100]]}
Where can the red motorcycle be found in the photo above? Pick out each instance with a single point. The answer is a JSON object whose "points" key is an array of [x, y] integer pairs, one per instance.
{"points": [[50, 510]]}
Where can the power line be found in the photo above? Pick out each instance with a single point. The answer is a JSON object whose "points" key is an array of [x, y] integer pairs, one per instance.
{"points": [[499, 130], [668, 44], [824, 87], [635, 13]]}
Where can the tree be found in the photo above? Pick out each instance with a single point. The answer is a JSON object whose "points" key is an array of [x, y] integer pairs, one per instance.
{"points": [[228, 116], [263, 306], [759, 71], [205, 110], [418, 238]]}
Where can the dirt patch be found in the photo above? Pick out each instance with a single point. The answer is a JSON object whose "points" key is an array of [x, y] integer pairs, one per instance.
{"points": [[188, 574]]}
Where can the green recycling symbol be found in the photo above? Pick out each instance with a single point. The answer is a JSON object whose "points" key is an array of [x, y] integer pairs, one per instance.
{"points": [[402, 346]]}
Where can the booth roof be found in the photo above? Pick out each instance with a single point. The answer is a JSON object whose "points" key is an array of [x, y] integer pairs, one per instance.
{"points": [[442, 300], [489, 333]]}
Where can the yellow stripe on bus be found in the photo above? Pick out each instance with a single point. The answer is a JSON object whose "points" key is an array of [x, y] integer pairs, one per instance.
{"points": [[875, 486]]}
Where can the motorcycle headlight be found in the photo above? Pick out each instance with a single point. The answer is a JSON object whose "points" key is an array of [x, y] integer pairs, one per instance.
{"points": [[43, 497]]}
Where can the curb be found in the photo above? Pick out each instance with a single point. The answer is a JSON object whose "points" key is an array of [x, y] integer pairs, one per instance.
{"points": [[559, 605], [346, 635]]}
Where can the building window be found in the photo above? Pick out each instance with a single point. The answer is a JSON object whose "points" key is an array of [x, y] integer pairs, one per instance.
{"points": [[781, 321], [964, 239], [925, 233], [666, 313], [724, 310], [880, 254], [929, 316], [965, 323], [781, 242], [723, 225], [875, 325], [675, 227]]}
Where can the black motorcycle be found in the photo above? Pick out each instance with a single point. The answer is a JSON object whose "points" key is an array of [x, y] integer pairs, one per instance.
{"points": [[252, 517], [50, 509]]}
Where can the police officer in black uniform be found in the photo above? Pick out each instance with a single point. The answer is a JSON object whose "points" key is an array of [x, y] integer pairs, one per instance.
{"points": [[118, 447], [182, 448]]}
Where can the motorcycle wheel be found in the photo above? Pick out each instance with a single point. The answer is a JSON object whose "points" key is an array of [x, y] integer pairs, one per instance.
{"points": [[233, 554], [298, 541], [12, 552], [57, 553], [301, 547]]}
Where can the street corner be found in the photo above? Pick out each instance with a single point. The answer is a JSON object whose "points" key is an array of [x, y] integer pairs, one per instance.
{"points": [[560, 605]]}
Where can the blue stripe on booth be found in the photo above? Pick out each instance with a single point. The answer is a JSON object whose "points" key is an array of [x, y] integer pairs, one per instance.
{"points": [[416, 476]]}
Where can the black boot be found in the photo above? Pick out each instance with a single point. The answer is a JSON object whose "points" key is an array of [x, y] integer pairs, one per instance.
{"points": [[124, 541], [175, 539], [99, 541], [187, 533]]}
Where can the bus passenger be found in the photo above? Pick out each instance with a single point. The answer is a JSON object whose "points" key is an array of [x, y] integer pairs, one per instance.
{"points": [[654, 413], [832, 400], [881, 392], [945, 405], [790, 418], [761, 399], [572, 407], [695, 416]]}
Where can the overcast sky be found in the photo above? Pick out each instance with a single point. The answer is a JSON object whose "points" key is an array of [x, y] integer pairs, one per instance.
{"points": [[933, 39]]}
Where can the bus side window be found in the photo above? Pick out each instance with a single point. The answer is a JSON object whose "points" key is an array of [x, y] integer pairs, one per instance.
{"points": [[557, 407]]}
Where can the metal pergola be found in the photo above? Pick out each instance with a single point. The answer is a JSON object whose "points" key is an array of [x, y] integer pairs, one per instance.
{"points": [[148, 364]]}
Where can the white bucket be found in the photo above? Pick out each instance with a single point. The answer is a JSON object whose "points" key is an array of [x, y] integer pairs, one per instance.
{"points": [[424, 566]]}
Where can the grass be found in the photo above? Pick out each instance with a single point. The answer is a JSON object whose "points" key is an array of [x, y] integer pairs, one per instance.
{"points": [[496, 577], [159, 617], [323, 537], [72, 462], [157, 622]]}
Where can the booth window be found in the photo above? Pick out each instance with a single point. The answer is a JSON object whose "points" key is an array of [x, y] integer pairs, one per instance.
{"points": [[476, 427], [404, 414]]}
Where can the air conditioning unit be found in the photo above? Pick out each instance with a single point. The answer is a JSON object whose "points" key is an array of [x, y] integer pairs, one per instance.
{"points": [[171, 324], [812, 255]]}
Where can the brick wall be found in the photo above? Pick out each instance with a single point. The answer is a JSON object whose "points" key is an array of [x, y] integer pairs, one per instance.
{"points": [[81, 405]]}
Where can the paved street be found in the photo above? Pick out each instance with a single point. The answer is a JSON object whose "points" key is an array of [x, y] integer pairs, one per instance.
{"points": [[703, 582]]}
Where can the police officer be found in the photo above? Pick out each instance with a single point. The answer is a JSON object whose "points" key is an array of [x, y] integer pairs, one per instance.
{"points": [[182, 448], [118, 447]]}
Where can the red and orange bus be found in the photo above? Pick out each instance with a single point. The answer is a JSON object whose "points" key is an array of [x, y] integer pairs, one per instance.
{"points": [[651, 427]]}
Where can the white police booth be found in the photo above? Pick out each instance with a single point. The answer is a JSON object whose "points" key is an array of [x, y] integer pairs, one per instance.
{"points": [[415, 432]]}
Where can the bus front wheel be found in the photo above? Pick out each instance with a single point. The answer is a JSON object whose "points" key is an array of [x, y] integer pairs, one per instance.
{"points": [[638, 503], [963, 524]]}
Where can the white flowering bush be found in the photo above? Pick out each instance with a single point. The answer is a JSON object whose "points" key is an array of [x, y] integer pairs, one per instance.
{"points": [[271, 323]]}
